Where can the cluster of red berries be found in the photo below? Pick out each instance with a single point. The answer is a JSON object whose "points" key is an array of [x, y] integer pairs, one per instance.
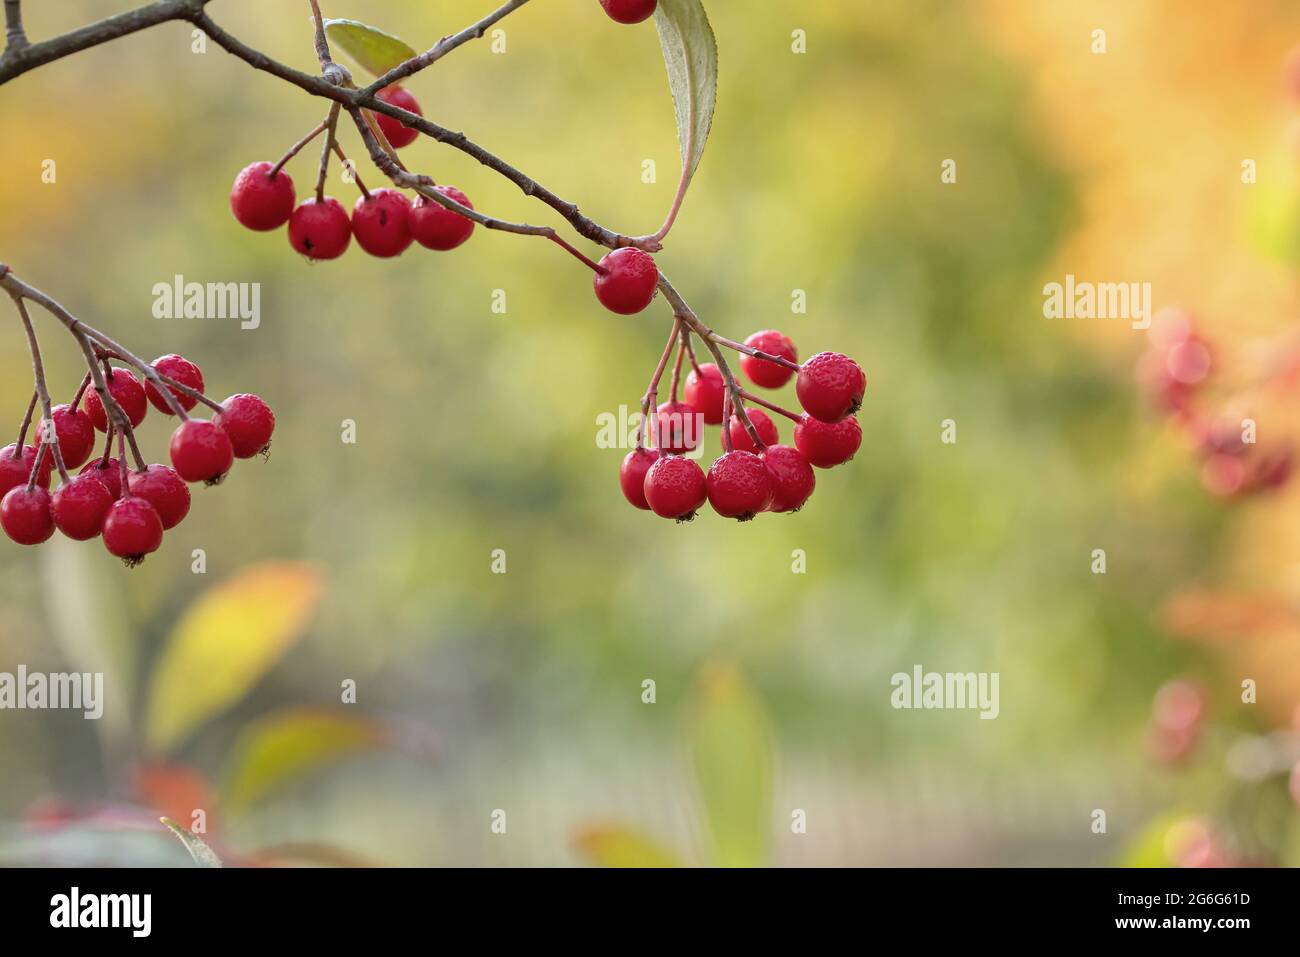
{"points": [[130, 508], [749, 477], [1174, 371]]}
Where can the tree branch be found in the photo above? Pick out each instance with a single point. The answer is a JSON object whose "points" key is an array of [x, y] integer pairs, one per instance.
{"points": [[15, 38]]}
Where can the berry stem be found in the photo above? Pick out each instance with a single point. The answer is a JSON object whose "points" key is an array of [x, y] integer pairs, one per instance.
{"points": [[295, 149], [690, 352], [49, 436], [160, 379], [121, 466], [331, 126], [15, 37], [770, 406], [749, 350], [677, 366], [652, 390], [81, 391], [26, 424], [356, 177]]}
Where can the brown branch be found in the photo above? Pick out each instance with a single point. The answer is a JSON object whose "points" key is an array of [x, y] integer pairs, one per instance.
{"points": [[15, 37]]}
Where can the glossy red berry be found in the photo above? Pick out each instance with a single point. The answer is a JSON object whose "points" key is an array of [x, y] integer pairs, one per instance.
{"points": [[183, 371], [201, 451], [830, 386], [827, 444], [248, 422], [396, 132], [107, 472], [631, 475], [678, 428], [259, 200], [76, 434], [162, 488], [675, 488], [629, 11], [127, 391], [78, 507], [763, 425], [25, 515], [627, 280], [381, 223], [435, 226], [132, 529], [792, 478], [16, 470], [320, 230], [764, 372], [705, 391], [738, 485]]}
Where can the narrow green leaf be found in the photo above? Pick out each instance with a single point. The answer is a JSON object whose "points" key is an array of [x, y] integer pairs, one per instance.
{"points": [[613, 845], [691, 56], [203, 855], [370, 48]]}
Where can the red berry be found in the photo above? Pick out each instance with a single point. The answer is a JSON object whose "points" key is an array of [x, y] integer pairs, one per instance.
{"points": [[627, 280], [738, 485], [1223, 474], [705, 391], [830, 386], [76, 434], [678, 428], [162, 488], [396, 132], [201, 451], [249, 422], [107, 472], [320, 230], [16, 471], [78, 507], [764, 372], [381, 223], [792, 478], [675, 488], [436, 227], [183, 371], [1188, 362], [261, 201], [132, 529], [25, 515], [763, 425], [629, 11], [631, 475], [127, 391], [827, 444]]}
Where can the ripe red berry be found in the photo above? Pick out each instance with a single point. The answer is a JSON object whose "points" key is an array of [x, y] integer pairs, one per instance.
{"points": [[107, 472], [435, 226], [627, 281], [675, 488], [162, 488], [381, 223], [25, 515], [764, 372], [320, 230], [183, 371], [201, 451], [1188, 362], [826, 444], [763, 425], [631, 475], [78, 507], [259, 200], [705, 391], [248, 422], [738, 485], [678, 428], [629, 11], [132, 529], [396, 132], [127, 391], [15, 471], [76, 434], [830, 386], [792, 478]]}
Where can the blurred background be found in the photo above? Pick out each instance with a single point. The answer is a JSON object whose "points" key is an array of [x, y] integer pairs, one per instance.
{"points": [[489, 701]]}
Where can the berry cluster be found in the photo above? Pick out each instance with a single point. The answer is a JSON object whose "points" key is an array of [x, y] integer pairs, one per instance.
{"points": [[755, 473]]}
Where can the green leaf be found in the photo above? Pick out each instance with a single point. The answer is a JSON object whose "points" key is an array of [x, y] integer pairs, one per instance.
{"points": [[731, 752], [291, 743], [370, 48], [224, 643], [613, 845], [691, 56], [203, 855]]}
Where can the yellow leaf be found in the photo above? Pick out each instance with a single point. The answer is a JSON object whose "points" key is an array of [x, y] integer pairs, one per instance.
{"points": [[224, 643], [613, 845]]}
